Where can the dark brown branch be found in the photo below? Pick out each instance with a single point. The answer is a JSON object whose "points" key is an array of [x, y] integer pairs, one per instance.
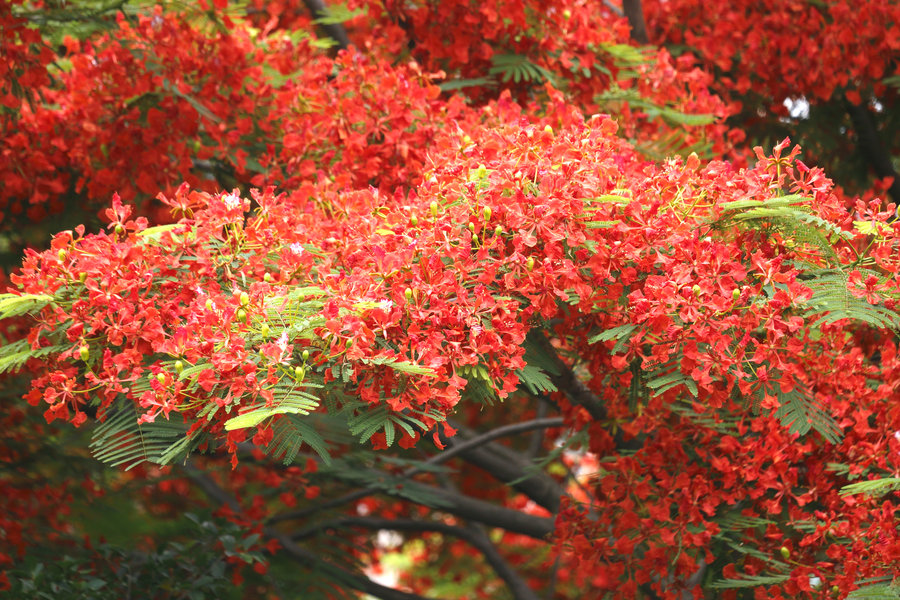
{"points": [[301, 555], [872, 148], [516, 584], [566, 381], [335, 31], [509, 467], [434, 460], [635, 14]]}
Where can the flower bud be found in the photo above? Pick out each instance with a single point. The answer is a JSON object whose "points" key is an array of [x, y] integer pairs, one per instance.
{"points": [[305, 355], [84, 353], [245, 298], [486, 213], [179, 367]]}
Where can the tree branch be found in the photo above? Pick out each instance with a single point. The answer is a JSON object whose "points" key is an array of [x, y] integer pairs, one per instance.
{"points": [[301, 555], [635, 14], [335, 31], [508, 467], [516, 584], [434, 460], [872, 148]]}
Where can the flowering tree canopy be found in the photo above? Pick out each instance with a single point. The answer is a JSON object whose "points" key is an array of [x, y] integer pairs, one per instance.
{"points": [[448, 300]]}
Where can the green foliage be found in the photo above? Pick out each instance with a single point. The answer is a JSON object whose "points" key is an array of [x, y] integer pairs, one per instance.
{"points": [[882, 588], [194, 566], [872, 487], [749, 581], [518, 69], [122, 441], [800, 412]]}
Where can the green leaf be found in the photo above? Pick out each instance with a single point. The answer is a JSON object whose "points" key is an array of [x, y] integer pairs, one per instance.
{"points": [[749, 581], [286, 401], [13, 305], [872, 487]]}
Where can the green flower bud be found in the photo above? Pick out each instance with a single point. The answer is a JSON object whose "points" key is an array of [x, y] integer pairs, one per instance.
{"points": [[299, 372], [434, 209], [245, 298], [409, 294], [414, 221], [179, 367], [265, 330], [161, 378], [61, 255], [209, 304], [486, 213], [267, 278], [305, 355], [84, 353], [785, 553], [241, 315], [696, 289], [471, 227], [498, 230], [529, 264]]}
